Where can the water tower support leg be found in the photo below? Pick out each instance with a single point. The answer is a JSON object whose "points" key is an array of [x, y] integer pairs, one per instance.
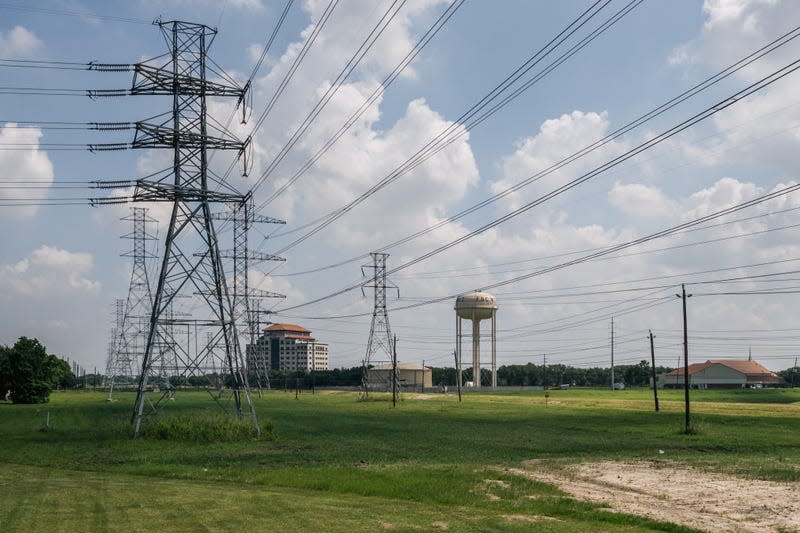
{"points": [[476, 353], [494, 350]]}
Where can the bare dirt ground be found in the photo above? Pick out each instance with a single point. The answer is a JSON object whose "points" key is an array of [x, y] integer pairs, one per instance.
{"points": [[679, 494]]}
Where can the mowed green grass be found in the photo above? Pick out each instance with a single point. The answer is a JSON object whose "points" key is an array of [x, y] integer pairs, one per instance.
{"points": [[337, 464]]}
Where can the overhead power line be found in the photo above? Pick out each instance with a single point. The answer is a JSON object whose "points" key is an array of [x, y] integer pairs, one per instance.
{"points": [[478, 112], [27, 8], [643, 119], [333, 88], [654, 141], [349, 67], [589, 257]]}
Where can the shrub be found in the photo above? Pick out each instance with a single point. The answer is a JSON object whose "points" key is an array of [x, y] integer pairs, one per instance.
{"points": [[205, 427]]}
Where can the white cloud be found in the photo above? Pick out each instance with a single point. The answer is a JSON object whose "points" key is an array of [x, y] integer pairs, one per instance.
{"points": [[19, 43], [724, 193], [736, 28], [759, 134], [744, 12], [50, 271], [556, 140], [254, 51], [52, 295], [27, 165], [639, 200], [362, 157]]}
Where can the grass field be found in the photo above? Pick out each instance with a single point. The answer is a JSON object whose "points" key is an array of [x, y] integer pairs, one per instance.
{"points": [[336, 464]]}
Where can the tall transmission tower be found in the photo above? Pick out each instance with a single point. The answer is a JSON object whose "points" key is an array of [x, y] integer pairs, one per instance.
{"points": [[133, 327], [245, 311], [380, 334], [191, 263]]}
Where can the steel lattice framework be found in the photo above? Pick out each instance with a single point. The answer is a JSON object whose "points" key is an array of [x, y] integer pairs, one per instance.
{"points": [[133, 325], [191, 266], [380, 334], [114, 342], [244, 298]]}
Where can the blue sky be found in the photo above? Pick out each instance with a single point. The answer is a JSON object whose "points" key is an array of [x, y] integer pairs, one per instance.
{"points": [[62, 268]]}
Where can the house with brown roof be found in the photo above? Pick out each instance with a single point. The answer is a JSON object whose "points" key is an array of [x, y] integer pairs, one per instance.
{"points": [[723, 373]]}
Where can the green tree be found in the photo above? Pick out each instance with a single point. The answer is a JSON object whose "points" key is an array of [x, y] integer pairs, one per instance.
{"points": [[5, 377], [27, 371], [59, 372]]}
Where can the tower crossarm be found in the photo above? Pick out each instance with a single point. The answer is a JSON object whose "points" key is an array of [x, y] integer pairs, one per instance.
{"points": [[258, 293], [251, 256], [232, 215], [150, 135], [262, 219], [148, 191], [155, 80]]}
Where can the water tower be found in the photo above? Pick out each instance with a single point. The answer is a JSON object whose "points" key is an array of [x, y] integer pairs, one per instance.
{"points": [[477, 306]]}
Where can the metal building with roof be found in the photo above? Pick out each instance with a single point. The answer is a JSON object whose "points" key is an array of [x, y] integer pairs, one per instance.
{"points": [[409, 376]]}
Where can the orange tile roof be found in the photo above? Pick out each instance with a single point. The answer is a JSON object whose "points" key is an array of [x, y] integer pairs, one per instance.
{"points": [[287, 327]]}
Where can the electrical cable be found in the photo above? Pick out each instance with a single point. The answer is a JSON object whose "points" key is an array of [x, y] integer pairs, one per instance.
{"points": [[69, 13], [456, 129], [655, 140], [657, 111], [726, 211]]}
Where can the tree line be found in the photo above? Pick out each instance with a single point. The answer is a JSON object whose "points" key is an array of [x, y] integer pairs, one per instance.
{"points": [[527, 375], [28, 374]]}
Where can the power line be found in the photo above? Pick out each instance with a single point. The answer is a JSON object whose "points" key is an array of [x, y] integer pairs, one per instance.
{"points": [[583, 259], [657, 111], [26, 8], [456, 130], [333, 88], [692, 121]]}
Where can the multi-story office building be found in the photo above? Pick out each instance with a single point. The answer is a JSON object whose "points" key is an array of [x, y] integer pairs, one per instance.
{"points": [[287, 347]]}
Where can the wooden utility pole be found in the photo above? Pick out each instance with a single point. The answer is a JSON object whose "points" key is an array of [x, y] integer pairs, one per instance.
{"points": [[544, 377], [655, 378], [458, 375], [688, 422], [612, 354], [394, 371]]}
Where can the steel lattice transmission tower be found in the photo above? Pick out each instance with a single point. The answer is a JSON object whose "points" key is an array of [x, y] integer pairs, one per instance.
{"points": [[138, 306], [114, 340], [191, 264], [246, 313], [379, 345]]}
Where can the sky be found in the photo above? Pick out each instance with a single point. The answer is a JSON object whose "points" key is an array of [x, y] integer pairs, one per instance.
{"points": [[61, 259]]}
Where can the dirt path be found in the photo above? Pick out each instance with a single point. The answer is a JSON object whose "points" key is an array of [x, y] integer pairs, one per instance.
{"points": [[678, 494]]}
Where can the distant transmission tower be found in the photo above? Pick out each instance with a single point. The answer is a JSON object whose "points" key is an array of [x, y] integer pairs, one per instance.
{"points": [[380, 334], [245, 312], [191, 263], [114, 341], [133, 328]]}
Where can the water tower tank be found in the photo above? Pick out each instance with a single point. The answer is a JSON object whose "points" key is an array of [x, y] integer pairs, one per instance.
{"points": [[476, 305]]}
